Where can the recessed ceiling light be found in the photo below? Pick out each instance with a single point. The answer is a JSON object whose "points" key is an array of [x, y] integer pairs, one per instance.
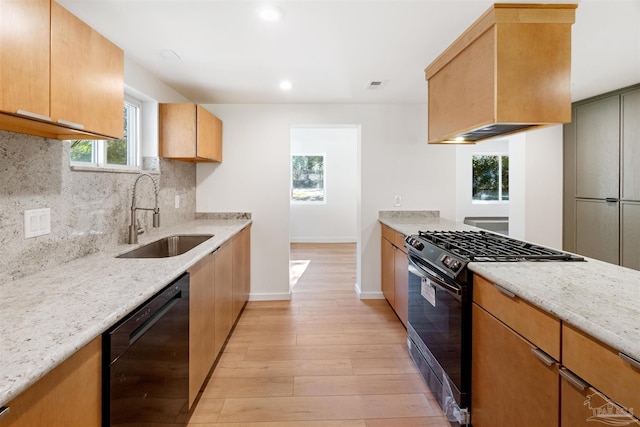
{"points": [[285, 85], [269, 13]]}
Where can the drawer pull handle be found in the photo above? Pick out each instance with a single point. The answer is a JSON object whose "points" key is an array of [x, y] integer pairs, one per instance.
{"points": [[505, 291], [4, 410], [33, 115], [71, 124], [543, 357], [573, 379], [633, 362]]}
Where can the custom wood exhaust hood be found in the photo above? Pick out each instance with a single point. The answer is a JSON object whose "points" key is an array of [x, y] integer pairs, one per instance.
{"points": [[508, 72]]}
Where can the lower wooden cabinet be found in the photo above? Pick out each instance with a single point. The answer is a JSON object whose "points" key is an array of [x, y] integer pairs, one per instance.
{"points": [[223, 295], [68, 396], [584, 406], [517, 378], [219, 288], [241, 269], [202, 352], [394, 272], [511, 385], [388, 271], [614, 374], [401, 285]]}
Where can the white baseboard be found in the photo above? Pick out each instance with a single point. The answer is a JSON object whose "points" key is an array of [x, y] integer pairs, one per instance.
{"points": [[323, 239], [281, 296], [368, 295]]}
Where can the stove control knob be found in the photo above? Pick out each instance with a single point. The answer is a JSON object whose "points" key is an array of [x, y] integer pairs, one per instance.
{"points": [[451, 263], [415, 243]]}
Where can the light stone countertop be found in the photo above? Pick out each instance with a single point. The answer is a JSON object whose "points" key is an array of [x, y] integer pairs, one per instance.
{"points": [[599, 298], [48, 316]]}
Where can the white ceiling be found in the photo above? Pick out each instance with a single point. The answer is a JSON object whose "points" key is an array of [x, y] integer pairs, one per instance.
{"points": [[329, 50]]}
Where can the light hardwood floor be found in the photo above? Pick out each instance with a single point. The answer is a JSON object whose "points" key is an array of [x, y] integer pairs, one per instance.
{"points": [[323, 359]]}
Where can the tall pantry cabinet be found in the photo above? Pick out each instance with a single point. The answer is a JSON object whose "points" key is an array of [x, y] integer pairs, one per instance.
{"points": [[602, 178]]}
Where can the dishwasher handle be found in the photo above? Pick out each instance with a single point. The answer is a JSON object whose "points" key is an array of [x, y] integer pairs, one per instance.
{"points": [[120, 337], [153, 319]]}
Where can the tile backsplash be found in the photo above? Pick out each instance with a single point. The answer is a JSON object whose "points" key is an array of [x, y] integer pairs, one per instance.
{"points": [[90, 211]]}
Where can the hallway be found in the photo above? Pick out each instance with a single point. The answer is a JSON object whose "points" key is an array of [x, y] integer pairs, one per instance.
{"points": [[323, 359]]}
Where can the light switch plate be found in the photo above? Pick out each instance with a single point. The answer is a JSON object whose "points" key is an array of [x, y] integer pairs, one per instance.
{"points": [[397, 201], [177, 201], [37, 222]]}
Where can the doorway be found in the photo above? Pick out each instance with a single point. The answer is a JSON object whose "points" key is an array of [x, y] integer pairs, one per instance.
{"points": [[324, 188]]}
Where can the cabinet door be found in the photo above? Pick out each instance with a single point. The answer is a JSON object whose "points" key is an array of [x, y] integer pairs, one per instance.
{"points": [[25, 32], [68, 396], [177, 136], [209, 140], [241, 270], [87, 76], [631, 146], [597, 230], [630, 234], [388, 271], [584, 406], [510, 385], [223, 294], [597, 148], [401, 285], [201, 324]]}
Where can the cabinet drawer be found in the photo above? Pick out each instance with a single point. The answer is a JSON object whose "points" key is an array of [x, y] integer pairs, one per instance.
{"points": [[601, 366], [537, 326], [387, 232], [398, 241]]}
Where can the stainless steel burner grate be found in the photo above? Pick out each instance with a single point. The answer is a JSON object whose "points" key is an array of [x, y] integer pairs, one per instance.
{"points": [[483, 246]]}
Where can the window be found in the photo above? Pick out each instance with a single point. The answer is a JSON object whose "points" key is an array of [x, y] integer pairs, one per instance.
{"points": [[490, 178], [307, 179], [121, 153]]}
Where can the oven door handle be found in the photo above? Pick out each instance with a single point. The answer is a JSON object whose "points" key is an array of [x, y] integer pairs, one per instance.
{"points": [[434, 280]]}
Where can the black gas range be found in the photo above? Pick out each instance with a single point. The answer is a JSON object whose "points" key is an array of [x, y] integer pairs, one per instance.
{"points": [[439, 321]]}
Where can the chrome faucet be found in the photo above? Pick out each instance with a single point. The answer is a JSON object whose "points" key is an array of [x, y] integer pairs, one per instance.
{"points": [[133, 227]]}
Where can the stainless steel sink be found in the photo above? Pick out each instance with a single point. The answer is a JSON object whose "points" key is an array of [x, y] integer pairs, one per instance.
{"points": [[167, 247]]}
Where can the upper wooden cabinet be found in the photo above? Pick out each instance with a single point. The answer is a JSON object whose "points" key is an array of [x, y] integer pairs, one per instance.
{"points": [[25, 32], [58, 77], [189, 132], [510, 71], [87, 76]]}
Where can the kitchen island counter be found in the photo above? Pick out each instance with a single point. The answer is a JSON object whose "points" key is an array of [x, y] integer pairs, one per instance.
{"points": [[50, 315], [599, 298]]}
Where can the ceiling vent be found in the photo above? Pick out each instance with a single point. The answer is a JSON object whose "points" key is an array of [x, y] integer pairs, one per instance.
{"points": [[169, 54], [374, 84]]}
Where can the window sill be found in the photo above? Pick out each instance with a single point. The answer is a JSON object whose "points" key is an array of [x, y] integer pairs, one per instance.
{"points": [[77, 168]]}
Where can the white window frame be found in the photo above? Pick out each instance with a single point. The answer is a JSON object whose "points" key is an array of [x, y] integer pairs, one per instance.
{"points": [[488, 202], [99, 147], [324, 180]]}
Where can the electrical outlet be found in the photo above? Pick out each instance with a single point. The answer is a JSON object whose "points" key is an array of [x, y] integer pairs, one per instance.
{"points": [[397, 201], [177, 201], [37, 222]]}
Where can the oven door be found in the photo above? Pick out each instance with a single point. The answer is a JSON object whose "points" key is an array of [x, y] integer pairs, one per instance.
{"points": [[439, 328]]}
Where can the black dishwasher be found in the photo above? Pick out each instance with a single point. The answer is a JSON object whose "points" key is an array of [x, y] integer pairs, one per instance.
{"points": [[146, 362]]}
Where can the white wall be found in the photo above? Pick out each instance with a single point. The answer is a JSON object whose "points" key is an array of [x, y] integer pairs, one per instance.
{"points": [[254, 177], [535, 186], [464, 204], [334, 220]]}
